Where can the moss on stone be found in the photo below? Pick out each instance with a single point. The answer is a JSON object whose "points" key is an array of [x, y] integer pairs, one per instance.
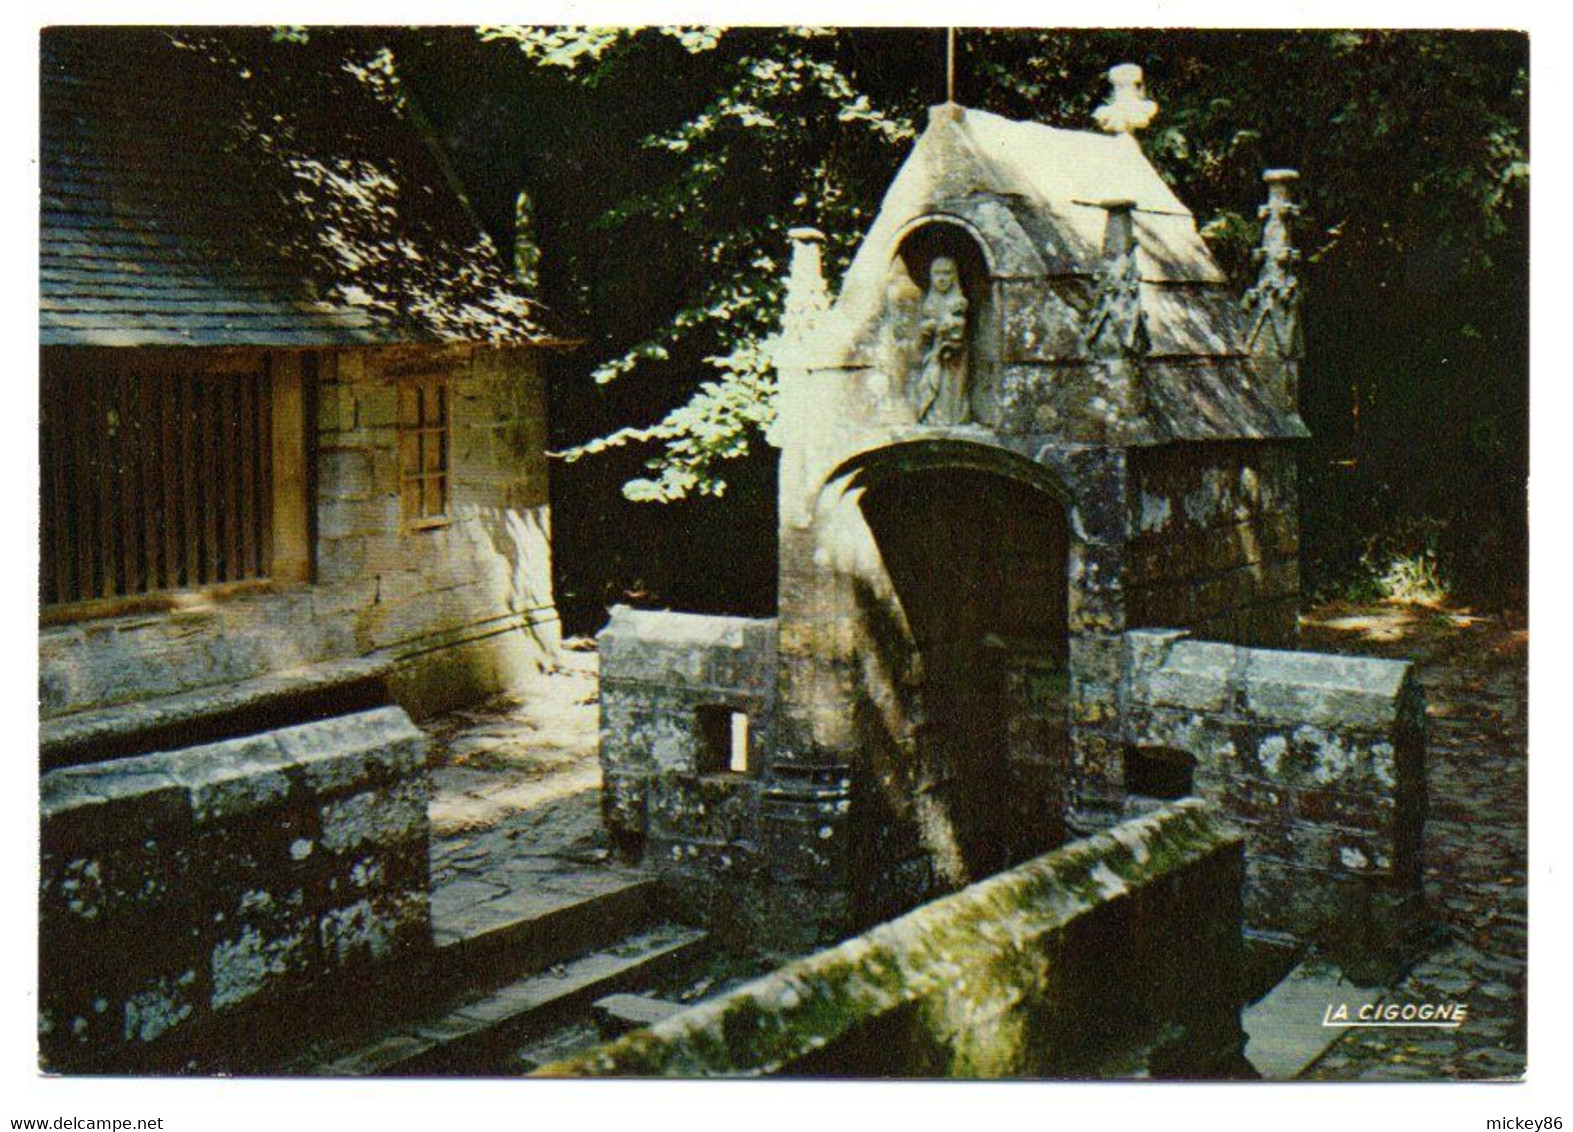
{"points": [[969, 961]]}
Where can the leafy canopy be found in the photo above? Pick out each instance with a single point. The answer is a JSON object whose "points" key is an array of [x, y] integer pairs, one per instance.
{"points": [[1410, 142]]}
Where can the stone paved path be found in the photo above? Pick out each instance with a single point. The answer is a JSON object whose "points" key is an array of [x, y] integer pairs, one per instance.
{"points": [[516, 799], [1475, 674]]}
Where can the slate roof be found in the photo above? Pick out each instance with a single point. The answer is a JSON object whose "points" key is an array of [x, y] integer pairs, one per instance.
{"points": [[210, 188], [1034, 192]]}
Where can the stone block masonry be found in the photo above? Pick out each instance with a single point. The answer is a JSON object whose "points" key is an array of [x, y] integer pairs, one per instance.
{"points": [[1215, 543], [1319, 758], [185, 893], [754, 848], [1020, 463], [460, 610], [1115, 956], [1321, 761]]}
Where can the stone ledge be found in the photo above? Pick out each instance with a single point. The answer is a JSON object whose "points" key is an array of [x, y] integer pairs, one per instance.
{"points": [[100, 803], [1320, 756], [968, 963], [1343, 692], [1169, 669], [676, 627], [661, 646], [203, 713], [179, 890], [336, 754], [130, 799]]}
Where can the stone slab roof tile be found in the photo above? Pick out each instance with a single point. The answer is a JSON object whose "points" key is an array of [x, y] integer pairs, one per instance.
{"points": [[206, 188], [1213, 399], [1200, 381], [1072, 165]]}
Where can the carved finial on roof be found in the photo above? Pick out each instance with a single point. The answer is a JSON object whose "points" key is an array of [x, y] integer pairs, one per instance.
{"points": [[946, 112], [1279, 209], [1128, 109], [1272, 305], [807, 297], [1116, 326]]}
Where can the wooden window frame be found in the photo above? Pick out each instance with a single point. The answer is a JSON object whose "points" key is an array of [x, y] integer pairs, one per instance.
{"points": [[285, 547], [415, 432]]}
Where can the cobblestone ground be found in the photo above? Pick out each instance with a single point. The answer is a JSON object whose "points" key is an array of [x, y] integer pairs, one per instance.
{"points": [[516, 784], [1475, 675]]}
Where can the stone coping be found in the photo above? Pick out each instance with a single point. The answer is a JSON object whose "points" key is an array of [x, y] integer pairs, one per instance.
{"points": [[771, 1024], [667, 626], [1169, 669], [220, 782], [216, 712]]}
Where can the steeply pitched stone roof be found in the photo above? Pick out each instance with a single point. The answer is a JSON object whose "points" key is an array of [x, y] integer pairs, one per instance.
{"points": [[195, 195], [1033, 192]]}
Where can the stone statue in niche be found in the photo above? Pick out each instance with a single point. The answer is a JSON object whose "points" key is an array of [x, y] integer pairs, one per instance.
{"points": [[940, 393]]}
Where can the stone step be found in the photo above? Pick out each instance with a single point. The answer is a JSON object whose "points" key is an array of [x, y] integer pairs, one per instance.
{"points": [[488, 936], [1286, 1029], [619, 1013], [1269, 958], [216, 713], [476, 1034], [556, 1045]]}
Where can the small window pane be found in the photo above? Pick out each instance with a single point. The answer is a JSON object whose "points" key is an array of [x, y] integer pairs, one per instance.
{"points": [[723, 740], [423, 450], [739, 743]]}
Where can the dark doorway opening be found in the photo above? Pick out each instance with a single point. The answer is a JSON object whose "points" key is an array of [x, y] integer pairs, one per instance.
{"points": [[977, 561]]}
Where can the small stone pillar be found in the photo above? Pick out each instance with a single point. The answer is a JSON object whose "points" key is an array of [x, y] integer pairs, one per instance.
{"points": [[1119, 234], [1115, 327], [1115, 330], [1114, 342], [807, 297], [802, 314], [1272, 305]]}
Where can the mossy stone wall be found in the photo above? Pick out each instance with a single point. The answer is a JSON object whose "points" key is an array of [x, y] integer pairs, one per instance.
{"points": [[1117, 954]]}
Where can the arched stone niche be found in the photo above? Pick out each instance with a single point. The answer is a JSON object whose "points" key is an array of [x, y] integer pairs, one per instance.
{"points": [[938, 345]]}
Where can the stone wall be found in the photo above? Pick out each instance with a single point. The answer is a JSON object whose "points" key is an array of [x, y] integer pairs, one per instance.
{"points": [[463, 609], [1319, 758], [185, 896], [669, 684], [1114, 956], [1215, 542]]}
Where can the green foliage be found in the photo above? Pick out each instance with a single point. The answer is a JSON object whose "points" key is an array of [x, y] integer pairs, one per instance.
{"points": [[667, 163], [1415, 580], [1412, 145], [1401, 565], [716, 424], [777, 133]]}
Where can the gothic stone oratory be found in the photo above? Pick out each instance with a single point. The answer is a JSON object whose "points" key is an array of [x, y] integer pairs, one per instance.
{"points": [[1036, 454]]}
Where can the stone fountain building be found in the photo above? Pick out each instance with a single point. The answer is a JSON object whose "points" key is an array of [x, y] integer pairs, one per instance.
{"points": [[1038, 543]]}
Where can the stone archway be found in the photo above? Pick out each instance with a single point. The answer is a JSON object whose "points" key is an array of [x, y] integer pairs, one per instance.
{"points": [[969, 615]]}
